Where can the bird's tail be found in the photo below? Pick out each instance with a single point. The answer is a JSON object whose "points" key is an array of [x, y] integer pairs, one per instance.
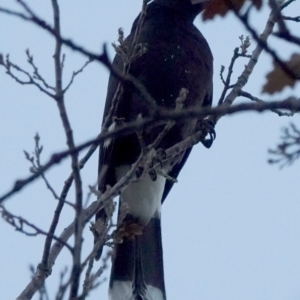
{"points": [[137, 270]]}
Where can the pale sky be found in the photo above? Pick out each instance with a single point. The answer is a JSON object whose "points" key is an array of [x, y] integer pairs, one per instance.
{"points": [[231, 226]]}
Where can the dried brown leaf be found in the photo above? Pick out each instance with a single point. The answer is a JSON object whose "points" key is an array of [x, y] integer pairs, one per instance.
{"points": [[222, 7], [277, 79], [128, 230]]}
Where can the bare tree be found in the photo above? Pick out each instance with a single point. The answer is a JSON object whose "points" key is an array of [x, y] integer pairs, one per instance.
{"points": [[285, 73]]}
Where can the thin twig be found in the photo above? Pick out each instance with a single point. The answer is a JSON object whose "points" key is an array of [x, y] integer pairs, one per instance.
{"points": [[288, 151], [294, 19], [229, 73], [36, 72], [36, 164], [8, 65], [75, 73], [286, 4], [11, 219], [261, 40], [276, 111], [243, 78]]}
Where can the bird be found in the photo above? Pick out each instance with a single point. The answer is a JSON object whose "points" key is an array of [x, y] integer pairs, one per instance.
{"points": [[176, 58]]}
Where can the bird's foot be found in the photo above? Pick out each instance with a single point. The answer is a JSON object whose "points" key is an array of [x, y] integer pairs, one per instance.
{"points": [[160, 156], [139, 171], [153, 175], [158, 159], [208, 127]]}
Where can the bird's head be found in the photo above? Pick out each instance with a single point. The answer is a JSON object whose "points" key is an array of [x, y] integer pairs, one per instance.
{"points": [[193, 6]]}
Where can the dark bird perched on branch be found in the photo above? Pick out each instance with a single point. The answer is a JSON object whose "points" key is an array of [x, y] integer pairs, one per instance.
{"points": [[172, 60]]}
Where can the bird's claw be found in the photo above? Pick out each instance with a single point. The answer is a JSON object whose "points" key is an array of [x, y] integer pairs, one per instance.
{"points": [[153, 175], [139, 171], [209, 128], [159, 157]]}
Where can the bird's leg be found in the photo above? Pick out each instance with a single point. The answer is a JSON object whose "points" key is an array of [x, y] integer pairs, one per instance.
{"points": [[160, 156], [158, 159]]}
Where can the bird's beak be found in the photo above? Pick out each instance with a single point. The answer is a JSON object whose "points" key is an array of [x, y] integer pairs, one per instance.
{"points": [[198, 1]]}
